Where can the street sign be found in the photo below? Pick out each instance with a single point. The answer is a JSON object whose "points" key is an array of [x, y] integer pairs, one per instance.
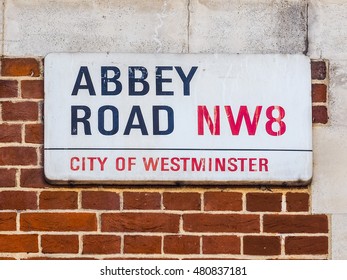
{"points": [[177, 119]]}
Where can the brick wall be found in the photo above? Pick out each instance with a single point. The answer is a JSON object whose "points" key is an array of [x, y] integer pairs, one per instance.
{"points": [[38, 220]]}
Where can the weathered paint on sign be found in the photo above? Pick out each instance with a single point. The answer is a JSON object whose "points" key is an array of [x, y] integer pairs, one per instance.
{"points": [[178, 118]]}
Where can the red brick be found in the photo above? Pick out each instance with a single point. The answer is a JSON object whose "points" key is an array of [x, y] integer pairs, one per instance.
{"points": [[297, 202], [306, 245], [33, 178], [32, 89], [41, 159], [20, 111], [57, 244], [320, 114], [100, 200], [221, 223], [34, 133], [295, 223], [57, 258], [181, 201], [223, 201], [178, 244], [58, 200], [20, 67], [58, 222], [318, 70], [319, 93], [139, 222], [8, 88], [7, 177], [18, 200], [142, 200], [262, 245], [10, 133], [17, 243], [18, 156], [7, 221], [138, 244], [101, 244], [264, 202], [221, 244]]}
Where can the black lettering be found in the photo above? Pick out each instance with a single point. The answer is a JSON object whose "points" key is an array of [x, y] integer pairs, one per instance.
{"points": [[136, 111], [105, 80], [159, 80], [133, 80], [101, 120], [89, 84], [156, 120], [75, 119], [186, 79]]}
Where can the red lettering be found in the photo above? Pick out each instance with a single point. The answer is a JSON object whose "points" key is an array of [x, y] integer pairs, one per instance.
{"points": [[83, 163], [252, 165], [131, 163], [220, 164], [198, 165], [175, 164], [242, 163], [74, 163], [185, 160], [87, 163], [278, 120], [213, 126], [243, 115], [232, 164], [263, 164], [164, 164], [120, 164], [151, 163], [91, 160]]}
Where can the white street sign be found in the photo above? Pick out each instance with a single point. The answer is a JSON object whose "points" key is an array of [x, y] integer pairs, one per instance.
{"points": [[177, 119]]}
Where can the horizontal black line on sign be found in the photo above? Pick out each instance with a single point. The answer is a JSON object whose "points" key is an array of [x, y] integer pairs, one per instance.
{"points": [[175, 149]]}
